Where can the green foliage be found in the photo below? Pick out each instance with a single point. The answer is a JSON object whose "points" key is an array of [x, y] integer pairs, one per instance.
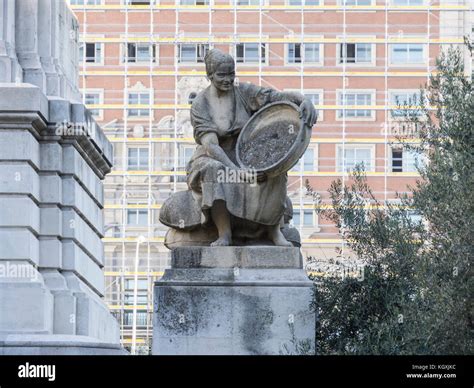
{"points": [[416, 293]]}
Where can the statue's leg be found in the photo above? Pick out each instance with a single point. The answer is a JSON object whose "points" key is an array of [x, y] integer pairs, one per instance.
{"points": [[221, 217], [275, 234]]}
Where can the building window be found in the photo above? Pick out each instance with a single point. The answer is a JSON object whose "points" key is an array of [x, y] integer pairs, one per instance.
{"points": [[355, 53], [294, 53], [248, 2], [138, 98], [249, 52], [93, 98], [184, 156], [303, 2], [314, 97], [404, 100], [356, 2], [407, 53], [141, 318], [302, 218], [85, 2], [90, 52], [307, 53], [138, 158], [194, 2], [140, 52], [138, 2], [306, 163], [404, 160], [350, 157], [142, 292], [137, 217], [408, 2], [354, 99], [192, 53]]}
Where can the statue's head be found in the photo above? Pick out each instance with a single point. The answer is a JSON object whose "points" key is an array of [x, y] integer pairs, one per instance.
{"points": [[220, 69]]}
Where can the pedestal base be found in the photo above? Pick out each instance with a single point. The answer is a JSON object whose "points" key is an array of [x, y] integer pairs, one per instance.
{"points": [[56, 345], [234, 300]]}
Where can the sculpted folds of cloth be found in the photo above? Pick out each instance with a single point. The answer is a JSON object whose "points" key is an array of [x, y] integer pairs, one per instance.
{"points": [[222, 206]]}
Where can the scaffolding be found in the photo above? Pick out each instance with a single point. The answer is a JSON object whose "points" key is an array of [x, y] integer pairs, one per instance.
{"points": [[143, 107]]}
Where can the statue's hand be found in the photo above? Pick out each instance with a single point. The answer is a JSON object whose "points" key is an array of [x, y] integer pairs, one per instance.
{"points": [[308, 113]]}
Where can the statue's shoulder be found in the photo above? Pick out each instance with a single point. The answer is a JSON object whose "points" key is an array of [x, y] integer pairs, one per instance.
{"points": [[200, 98]]}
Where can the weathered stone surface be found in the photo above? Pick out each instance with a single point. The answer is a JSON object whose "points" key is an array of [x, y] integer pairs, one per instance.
{"points": [[51, 193], [233, 300], [247, 208]]}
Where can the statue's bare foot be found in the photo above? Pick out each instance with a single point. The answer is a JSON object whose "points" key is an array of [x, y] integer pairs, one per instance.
{"points": [[223, 241], [278, 239]]}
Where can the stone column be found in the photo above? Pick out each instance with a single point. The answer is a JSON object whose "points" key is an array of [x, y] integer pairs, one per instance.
{"points": [[10, 70]]}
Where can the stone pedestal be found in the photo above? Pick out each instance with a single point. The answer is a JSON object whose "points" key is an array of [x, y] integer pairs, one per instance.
{"points": [[51, 225], [234, 301]]}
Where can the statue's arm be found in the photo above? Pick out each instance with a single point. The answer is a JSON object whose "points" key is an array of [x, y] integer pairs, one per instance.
{"points": [[213, 150]]}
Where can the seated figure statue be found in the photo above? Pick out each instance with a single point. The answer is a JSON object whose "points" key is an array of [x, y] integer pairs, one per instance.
{"points": [[217, 212]]}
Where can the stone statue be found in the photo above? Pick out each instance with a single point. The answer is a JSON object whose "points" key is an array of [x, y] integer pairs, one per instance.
{"points": [[217, 211]]}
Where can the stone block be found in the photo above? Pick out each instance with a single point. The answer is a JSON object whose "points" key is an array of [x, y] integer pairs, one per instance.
{"points": [[26, 147], [233, 301], [19, 211], [74, 195], [50, 253], [19, 244], [77, 261], [27, 304], [74, 227], [50, 188], [19, 178]]}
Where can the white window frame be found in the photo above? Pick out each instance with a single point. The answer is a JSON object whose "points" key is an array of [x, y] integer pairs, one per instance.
{"points": [[233, 52], [341, 3], [373, 114], [124, 50], [422, 158], [137, 210], [86, 2], [315, 224], [152, 2], [371, 147], [393, 3], [303, 4], [100, 116], [315, 149], [418, 64], [391, 93], [262, 3], [140, 90], [210, 3], [82, 40], [138, 146], [320, 92], [178, 54], [352, 38], [182, 153], [303, 59]]}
